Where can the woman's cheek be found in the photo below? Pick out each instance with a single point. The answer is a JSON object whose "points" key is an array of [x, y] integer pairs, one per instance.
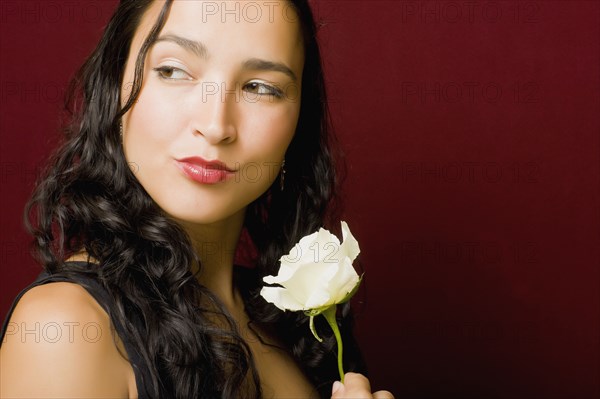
{"points": [[273, 130], [157, 116]]}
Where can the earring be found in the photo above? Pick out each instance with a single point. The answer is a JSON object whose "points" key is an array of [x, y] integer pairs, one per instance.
{"points": [[121, 131], [282, 176]]}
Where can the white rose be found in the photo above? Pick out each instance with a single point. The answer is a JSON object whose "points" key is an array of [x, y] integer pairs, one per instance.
{"points": [[316, 274]]}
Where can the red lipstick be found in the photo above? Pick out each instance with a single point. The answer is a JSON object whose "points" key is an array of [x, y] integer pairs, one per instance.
{"points": [[202, 171]]}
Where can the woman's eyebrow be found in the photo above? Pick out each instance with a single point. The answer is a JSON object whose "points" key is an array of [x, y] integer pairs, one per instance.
{"points": [[200, 50], [257, 64]]}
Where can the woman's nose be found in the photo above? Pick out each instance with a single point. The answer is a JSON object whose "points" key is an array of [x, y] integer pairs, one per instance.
{"points": [[213, 112]]}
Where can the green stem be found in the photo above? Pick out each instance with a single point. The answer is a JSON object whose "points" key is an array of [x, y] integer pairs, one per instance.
{"points": [[329, 314]]}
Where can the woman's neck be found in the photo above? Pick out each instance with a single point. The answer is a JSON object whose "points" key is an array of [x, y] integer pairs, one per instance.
{"points": [[215, 245]]}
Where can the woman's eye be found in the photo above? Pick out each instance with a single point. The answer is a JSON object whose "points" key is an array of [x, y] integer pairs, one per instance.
{"points": [[264, 90], [171, 73]]}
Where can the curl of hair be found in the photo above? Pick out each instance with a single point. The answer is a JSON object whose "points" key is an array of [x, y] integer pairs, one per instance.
{"points": [[89, 199]]}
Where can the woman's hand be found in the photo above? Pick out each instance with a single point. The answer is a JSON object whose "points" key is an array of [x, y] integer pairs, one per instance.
{"points": [[356, 386]]}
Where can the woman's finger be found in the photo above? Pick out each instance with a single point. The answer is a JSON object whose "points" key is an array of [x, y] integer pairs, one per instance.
{"points": [[383, 395], [355, 386], [355, 381]]}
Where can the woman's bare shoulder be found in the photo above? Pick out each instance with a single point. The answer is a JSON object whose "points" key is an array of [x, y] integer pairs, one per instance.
{"points": [[59, 343], [69, 299]]}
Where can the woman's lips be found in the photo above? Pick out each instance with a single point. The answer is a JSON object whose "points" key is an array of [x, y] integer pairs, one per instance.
{"points": [[207, 173], [214, 164]]}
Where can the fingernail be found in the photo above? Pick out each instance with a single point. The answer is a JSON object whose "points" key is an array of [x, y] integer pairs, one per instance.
{"points": [[336, 386]]}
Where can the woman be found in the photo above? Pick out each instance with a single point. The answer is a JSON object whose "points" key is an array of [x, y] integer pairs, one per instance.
{"points": [[197, 126]]}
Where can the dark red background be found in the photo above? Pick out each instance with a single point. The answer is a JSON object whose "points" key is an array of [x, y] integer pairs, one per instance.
{"points": [[472, 136]]}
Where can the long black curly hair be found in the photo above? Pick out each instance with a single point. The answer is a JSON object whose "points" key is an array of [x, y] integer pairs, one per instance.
{"points": [[89, 200]]}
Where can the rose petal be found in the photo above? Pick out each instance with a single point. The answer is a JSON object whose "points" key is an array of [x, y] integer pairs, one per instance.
{"points": [[306, 254], [309, 279], [285, 273], [281, 298], [350, 245], [317, 272], [351, 293], [344, 281], [325, 240], [317, 299]]}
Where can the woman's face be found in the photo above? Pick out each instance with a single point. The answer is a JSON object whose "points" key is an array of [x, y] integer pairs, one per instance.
{"points": [[222, 83]]}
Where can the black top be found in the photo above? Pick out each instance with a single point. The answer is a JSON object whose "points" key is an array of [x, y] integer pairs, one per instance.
{"points": [[99, 293]]}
